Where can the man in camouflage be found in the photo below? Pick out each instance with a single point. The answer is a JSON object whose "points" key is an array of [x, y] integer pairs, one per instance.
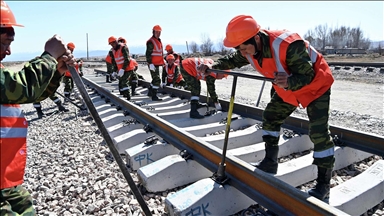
{"points": [[154, 57], [193, 77], [111, 74], [38, 79], [55, 99], [121, 59], [171, 75], [67, 79], [302, 77]]}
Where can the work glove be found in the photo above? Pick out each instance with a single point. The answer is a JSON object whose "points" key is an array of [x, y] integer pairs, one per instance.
{"points": [[152, 67], [114, 74], [171, 85], [121, 73]]}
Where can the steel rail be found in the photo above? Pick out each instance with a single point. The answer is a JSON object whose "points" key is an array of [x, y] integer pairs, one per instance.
{"points": [[265, 189]]}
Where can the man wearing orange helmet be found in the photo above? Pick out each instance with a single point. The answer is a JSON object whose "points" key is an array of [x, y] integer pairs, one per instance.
{"points": [[68, 81], [154, 56], [171, 74], [192, 76], [169, 50], [122, 62], [302, 77], [38, 79]]}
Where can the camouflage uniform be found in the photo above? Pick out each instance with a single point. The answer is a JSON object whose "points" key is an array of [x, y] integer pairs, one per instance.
{"points": [[110, 68], [156, 81], [35, 82], [68, 82], [124, 84], [300, 66]]}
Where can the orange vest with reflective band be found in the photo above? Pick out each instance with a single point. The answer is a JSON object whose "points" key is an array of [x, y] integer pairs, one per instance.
{"points": [[171, 74], [190, 65], [134, 62], [77, 66], [157, 53], [13, 144], [119, 59], [279, 42]]}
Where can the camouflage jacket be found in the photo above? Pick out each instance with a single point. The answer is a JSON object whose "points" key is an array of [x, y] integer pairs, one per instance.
{"points": [[111, 66], [149, 50], [35, 82], [297, 59]]}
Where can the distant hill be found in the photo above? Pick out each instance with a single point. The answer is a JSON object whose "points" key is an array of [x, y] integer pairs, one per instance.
{"points": [[93, 53]]}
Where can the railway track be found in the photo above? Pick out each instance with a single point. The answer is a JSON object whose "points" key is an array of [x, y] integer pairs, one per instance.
{"points": [[168, 150]]}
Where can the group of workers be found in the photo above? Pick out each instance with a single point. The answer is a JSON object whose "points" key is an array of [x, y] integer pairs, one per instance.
{"points": [[301, 76]]}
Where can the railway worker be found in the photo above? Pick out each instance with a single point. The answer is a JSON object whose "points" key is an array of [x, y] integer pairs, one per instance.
{"points": [[171, 74], [110, 76], [67, 79], [154, 57], [55, 99], [38, 79], [124, 65], [192, 77], [169, 50], [302, 77], [131, 80]]}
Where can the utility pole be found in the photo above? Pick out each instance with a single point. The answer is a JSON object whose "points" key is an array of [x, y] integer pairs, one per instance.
{"points": [[186, 42], [87, 48]]}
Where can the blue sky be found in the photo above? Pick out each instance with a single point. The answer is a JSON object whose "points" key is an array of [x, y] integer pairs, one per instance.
{"points": [[180, 20]]}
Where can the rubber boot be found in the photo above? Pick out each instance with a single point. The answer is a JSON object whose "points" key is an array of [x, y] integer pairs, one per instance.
{"points": [[269, 163], [126, 94], [149, 94], [40, 113], [107, 77], [61, 107], [154, 95], [194, 113], [201, 105], [134, 85], [322, 188]]}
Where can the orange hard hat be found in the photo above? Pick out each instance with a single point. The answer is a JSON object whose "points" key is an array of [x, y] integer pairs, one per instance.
{"points": [[71, 45], [170, 56], [112, 39], [168, 47], [122, 39], [156, 28], [240, 29], [7, 19]]}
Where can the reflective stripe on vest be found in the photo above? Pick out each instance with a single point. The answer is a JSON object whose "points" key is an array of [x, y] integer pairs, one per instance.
{"points": [[119, 59], [157, 52], [13, 140]]}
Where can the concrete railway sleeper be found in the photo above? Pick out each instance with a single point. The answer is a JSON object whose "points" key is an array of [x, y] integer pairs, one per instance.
{"points": [[176, 151]]}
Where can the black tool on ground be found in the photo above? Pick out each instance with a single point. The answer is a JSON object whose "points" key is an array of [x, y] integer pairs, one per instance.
{"points": [[108, 139], [71, 101]]}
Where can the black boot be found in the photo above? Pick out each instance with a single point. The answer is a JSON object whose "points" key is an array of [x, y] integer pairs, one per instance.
{"points": [[194, 113], [201, 105], [61, 107], [154, 95], [322, 188], [40, 113], [134, 85], [67, 97], [107, 77], [269, 163], [149, 94], [126, 94]]}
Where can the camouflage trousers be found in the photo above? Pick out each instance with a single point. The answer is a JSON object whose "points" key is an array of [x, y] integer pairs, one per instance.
{"points": [[195, 86], [53, 97], [124, 82], [155, 76], [16, 201], [68, 85], [134, 78], [318, 113]]}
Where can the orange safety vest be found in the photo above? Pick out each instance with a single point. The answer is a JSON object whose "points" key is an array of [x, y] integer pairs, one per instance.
{"points": [[171, 74], [134, 62], [157, 53], [190, 65], [119, 59], [279, 42], [13, 145], [77, 66]]}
